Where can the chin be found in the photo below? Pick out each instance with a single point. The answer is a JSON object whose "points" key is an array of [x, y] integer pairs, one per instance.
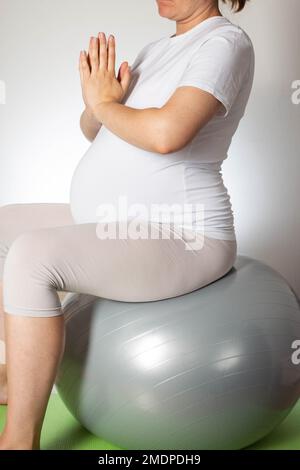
{"points": [[165, 8]]}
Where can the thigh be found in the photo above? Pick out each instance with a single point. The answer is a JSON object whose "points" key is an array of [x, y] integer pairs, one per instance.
{"points": [[18, 218], [75, 259], [133, 268], [167, 263]]}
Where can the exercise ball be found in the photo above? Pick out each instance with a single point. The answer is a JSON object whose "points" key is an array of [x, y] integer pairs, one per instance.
{"points": [[211, 369]]}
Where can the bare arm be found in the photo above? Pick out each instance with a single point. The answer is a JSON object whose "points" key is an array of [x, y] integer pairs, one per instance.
{"points": [[143, 128], [163, 130], [89, 125]]}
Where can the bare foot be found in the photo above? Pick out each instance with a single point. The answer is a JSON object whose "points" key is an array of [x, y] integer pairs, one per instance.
{"points": [[3, 385]]}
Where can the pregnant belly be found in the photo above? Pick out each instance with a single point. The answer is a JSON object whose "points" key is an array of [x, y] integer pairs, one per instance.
{"points": [[116, 180], [114, 173]]}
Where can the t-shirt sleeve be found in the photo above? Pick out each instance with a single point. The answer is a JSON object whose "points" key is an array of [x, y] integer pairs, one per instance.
{"points": [[219, 66]]}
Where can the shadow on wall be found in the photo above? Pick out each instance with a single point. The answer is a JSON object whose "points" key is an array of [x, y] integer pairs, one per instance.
{"points": [[261, 174], [263, 168]]}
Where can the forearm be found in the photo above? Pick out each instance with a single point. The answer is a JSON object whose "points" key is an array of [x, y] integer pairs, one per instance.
{"points": [[89, 125], [143, 128]]}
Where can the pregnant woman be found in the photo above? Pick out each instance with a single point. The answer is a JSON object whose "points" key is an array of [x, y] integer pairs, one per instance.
{"points": [[160, 133]]}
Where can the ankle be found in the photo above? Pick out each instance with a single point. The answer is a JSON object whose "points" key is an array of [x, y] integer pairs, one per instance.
{"points": [[3, 371], [9, 441], [2, 348], [6, 444], [3, 385]]}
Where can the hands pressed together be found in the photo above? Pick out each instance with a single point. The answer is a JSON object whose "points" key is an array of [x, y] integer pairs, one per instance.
{"points": [[97, 73]]}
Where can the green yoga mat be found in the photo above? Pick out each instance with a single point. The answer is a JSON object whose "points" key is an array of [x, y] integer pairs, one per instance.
{"points": [[61, 431]]}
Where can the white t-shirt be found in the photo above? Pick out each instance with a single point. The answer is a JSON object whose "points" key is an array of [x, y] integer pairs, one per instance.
{"points": [[216, 56]]}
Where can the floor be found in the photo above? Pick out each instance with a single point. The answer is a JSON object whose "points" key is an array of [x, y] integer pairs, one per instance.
{"points": [[61, 431]]}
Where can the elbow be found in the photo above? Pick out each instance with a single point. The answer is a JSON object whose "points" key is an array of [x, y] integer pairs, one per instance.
{"points": [[169, 145], [169, 141], [161, 134], [163, 149], [164, 143], [88, 137]]}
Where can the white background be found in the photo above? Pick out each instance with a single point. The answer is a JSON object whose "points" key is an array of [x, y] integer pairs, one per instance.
{"points": [[41, 143]]}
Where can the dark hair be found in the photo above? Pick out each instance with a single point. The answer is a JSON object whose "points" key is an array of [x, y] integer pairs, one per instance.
{"points": [[236, 5]]}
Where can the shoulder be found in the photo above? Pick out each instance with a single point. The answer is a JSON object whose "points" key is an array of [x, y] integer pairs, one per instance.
{"points": [[232, 37], [225, 46]]}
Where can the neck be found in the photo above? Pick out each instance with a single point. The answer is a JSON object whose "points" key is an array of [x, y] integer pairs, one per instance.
{"points": [[184, 25]]}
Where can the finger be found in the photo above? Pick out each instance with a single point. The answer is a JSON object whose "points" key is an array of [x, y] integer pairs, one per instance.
{"points": [[94, 54], [80, 69], [103, 52], [126, 79], [89, 61], [122, 70], [84, 67], [82, 57], [119, 76], [111, 67]]}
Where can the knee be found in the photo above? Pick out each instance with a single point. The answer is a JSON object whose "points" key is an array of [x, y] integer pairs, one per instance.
{"points": [[31, 278], [30, 257]]}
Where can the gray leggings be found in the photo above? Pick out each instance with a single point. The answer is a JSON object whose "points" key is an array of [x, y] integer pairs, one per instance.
{"points": [[42, 252]]}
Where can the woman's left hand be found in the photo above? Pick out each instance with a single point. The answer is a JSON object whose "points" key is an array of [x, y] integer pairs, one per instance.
{"points": [[98, 80]]}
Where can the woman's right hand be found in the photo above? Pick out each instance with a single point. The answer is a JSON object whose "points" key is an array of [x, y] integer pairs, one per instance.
{"points": [[121, 73]]}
